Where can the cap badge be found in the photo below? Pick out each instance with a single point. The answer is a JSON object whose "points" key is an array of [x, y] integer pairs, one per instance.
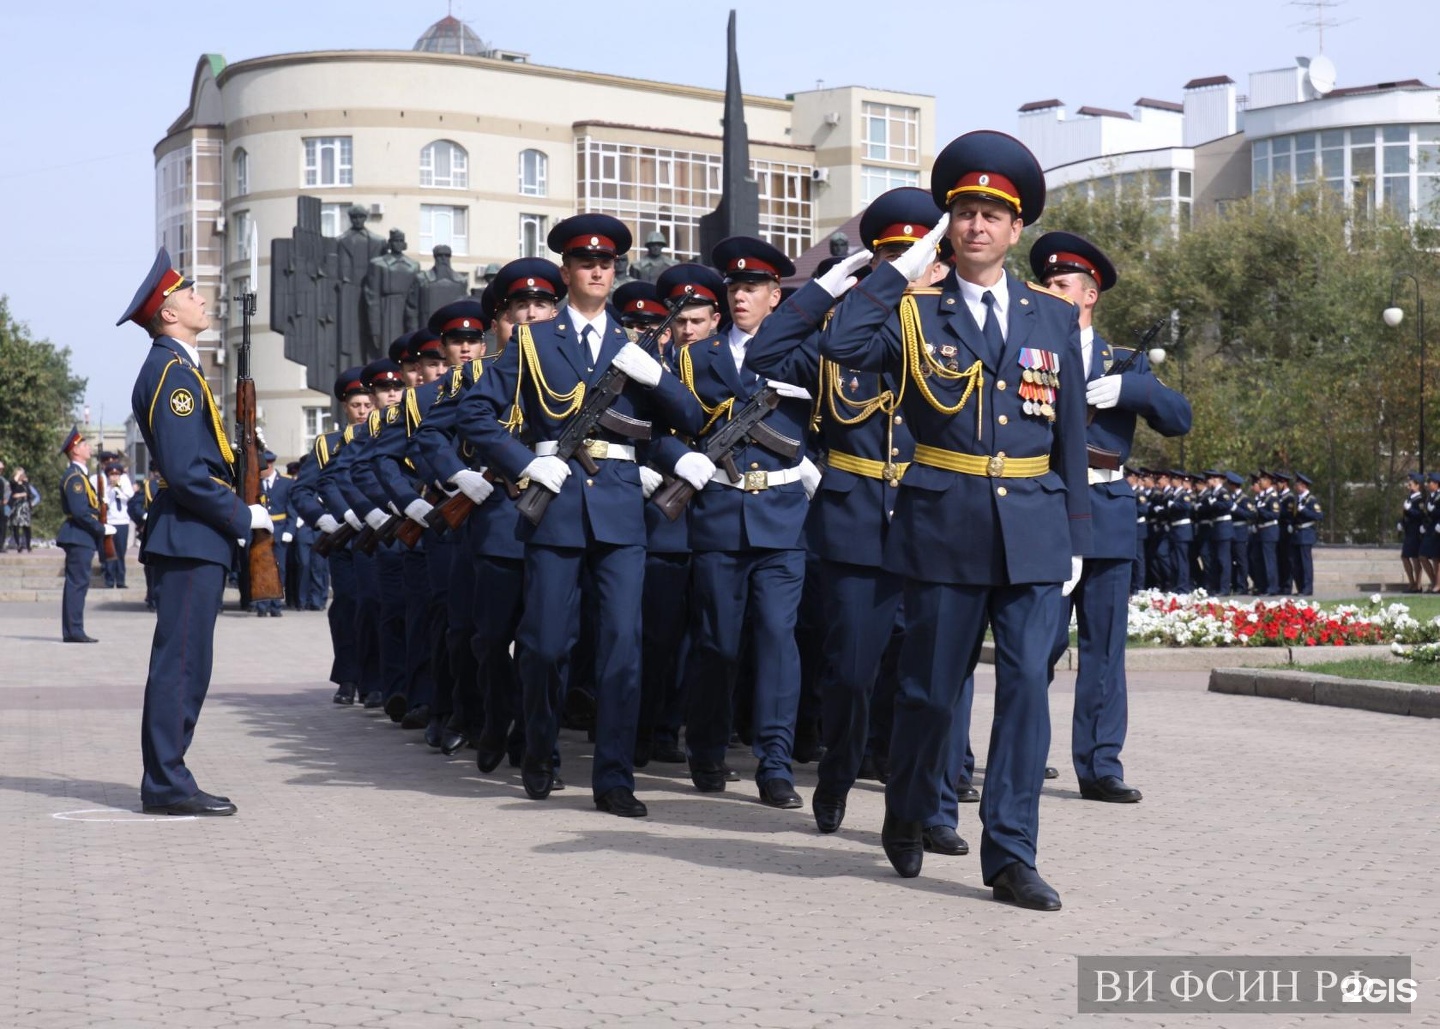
{"points": [[740, 264], [1053, 258], [984, 180], [909, 229], [594, 241]]}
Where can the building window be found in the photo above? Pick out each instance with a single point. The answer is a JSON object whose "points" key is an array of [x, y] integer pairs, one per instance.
{"points": [[315, 419], [444, 165], [532, 235], [239, 289], [327, 161], [891, 133], [1364, 167], [534, 167], [334, 219], [242, 172], [240, 235], [441, 224], [874, 181]]}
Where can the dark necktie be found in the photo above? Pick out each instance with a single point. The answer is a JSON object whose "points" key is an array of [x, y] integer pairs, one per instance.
{"points": [[585, 342], [994, 340]]}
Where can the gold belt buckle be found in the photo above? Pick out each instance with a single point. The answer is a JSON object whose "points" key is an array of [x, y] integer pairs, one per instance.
{"points": [[597, 448], [890, 473], [995, 467], [756, 481]]}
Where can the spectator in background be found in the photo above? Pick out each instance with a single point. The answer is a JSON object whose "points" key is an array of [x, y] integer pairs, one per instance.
{"points": [[118, 491], [24, 499]]}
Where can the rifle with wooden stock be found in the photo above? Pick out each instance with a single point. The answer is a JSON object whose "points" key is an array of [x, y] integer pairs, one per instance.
{"points": [[264, 572]]}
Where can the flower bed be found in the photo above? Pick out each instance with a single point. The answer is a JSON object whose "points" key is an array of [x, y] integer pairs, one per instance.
{"points": [[1198, 620]]}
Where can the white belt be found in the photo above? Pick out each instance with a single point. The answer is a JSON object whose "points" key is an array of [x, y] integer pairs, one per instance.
{"points": [[1306, 525], [1224, 518], [1182, 521], [598, 448], [1104, 476], [1140, 521], [757, 480], [1266, 525]]}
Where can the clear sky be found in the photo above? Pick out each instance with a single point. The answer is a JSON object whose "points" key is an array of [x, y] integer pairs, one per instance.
{"points": [[91, 85]]}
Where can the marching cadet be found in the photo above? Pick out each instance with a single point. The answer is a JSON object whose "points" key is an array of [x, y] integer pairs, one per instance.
{"points": [[1411, 526], [1302, 538], [191, 534], [1285, 505], [993, 515], [1220, 511], [355, 401], [1179, 509], [1136, 477], [275, 498], [747, 537], [1120, 389], [594, 525], [1242, 509], [639, 306], [80, 535]]}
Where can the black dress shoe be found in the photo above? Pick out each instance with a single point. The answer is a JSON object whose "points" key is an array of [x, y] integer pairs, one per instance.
{"points": [[373, 699], [904, 845], [621, 801], [416, 718], [395, 706], [779, 793], [556, 783], [1112, 789], [966, 793], [434, 728], [1021, 885], [537, 778], [488, 753], [81, 639], [1052, 773], [452, 741], [668, 753], [730, 774], [944, 840], [707, 778], [345, 694], [829, 810], [202, 804]]}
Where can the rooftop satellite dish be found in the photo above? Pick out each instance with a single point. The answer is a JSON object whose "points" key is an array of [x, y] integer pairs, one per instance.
{"points": [[1320, 75]]}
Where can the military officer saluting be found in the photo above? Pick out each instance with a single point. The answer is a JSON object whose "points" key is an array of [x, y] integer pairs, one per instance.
{"points": [[80, 535], [1120, 389], [191, 532], [993, 515]]}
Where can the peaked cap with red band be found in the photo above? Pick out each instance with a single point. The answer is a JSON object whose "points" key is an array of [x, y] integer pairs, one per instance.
{"points": [[898, 216], [162, 280], [1056, 253], [426, 344], [590, 235], [351, 382], [463, 318], [529, 277], [638, 302], [71, 438], [991, 166], [708, 287], [747, 259], [383, 373]]}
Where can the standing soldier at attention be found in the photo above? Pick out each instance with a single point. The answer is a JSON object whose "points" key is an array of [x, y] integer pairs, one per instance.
{"points": [[1120, 389], [993, 514], [1410, 527], [194, 524], [79, 536]]}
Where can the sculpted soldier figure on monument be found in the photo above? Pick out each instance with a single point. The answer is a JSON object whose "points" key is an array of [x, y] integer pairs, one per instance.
{"points": [[839, 245], [354, 250], [433, 288], [387, 288], [654, 262]]}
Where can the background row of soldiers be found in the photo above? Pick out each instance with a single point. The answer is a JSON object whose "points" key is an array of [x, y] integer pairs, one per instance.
{"points": [[1204, 530]]}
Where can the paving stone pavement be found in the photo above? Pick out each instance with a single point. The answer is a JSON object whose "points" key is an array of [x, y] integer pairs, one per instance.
{"points": [[368, 881]]}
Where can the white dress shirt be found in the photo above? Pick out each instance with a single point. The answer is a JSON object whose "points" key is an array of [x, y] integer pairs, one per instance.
{"points": [[973, 296], [600, 323]]}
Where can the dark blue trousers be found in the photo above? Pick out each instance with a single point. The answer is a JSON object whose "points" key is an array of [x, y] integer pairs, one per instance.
{"points": [[499, 594], [725, 586], [367, 622], [440, 552], [394, 654], [314, 577], [1101, 601], [1217, 566], [115, 570], [859, 608], [664, 609], [77, 585], [415, 582], [464, 693], [1270, 558], [548, 630], [959, 763], [1240, 562], [1302, 567], [188, 597], [944, 627], [346, 666]]}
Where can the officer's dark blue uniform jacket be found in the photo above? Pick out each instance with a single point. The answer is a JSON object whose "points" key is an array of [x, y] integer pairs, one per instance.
{"points": [[277, 501], [956, 528], [197, 513], [305, 494], [544, 362], [1307, 516], [1112, 504], [81, 527]]}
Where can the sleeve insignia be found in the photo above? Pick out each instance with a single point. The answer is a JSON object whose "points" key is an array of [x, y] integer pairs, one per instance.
{"points": [[392, 414], [79, 487], [182, 403]]}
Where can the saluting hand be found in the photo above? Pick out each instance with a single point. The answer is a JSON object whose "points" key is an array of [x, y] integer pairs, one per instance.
{"points": [[922, 252], [841, 277]]}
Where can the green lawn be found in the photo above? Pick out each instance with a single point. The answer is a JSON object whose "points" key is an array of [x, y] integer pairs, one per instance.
{"points": [[1376, 668], [1423, 606]]}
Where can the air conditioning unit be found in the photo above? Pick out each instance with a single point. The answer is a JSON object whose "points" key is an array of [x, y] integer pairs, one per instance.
{"points": [[222, 308], [220, 357], [220, 222], [377, 210], [832, 119], [819, 174]]}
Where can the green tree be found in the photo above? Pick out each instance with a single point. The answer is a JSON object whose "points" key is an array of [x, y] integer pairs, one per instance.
{"points": [[41, 397]]}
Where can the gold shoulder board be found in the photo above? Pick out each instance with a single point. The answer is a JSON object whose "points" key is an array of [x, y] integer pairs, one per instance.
{"points": [[1045, 289]]}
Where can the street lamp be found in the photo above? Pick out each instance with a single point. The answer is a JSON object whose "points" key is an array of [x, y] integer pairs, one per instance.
{"points": [[1393, 316]]}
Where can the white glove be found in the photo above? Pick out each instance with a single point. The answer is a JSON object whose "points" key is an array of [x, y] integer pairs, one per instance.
{"points": [[696, 469], [922, 252], [377, 518], [473, 484], [394, 509], [260, 518], [650, 481], [287, 537], [638, 365], [353, 520], [1103, 392], [1077, 565], [841, 277], [299, 522], [418, 509], [109, 530], [550, 472], [809, 478], [327, 524]]}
